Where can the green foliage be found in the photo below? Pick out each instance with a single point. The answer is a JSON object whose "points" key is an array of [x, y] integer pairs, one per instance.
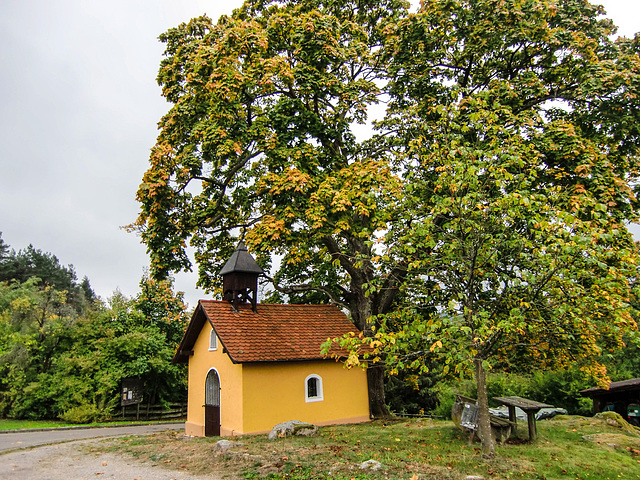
{"points": [[407, 393], [31, 263], [517, 205], [86, 413], [264, 108], [162, 308], [485, 223], [625, 363], [54, 363], [264, 105], [562, 389], [35, 327], [558, 388], [446, 391]]}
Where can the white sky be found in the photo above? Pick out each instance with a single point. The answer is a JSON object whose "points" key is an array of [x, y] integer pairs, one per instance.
{"points": [[79, 107]]}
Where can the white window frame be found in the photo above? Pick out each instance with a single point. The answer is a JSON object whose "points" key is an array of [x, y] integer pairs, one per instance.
{"points": [[213, 340], [319, 390]]}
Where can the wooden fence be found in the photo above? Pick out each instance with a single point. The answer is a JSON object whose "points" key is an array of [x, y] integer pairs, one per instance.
{"points": [[140, 411]]}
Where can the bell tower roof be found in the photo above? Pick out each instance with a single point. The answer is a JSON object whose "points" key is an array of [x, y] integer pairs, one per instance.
{"points": [[240, 278], [241, 262]]}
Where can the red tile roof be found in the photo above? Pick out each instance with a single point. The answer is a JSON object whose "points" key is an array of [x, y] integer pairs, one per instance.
{"points": [[275, 333]]}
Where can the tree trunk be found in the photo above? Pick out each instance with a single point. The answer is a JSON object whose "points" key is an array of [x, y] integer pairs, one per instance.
{"points": [[362, 309], [484, 422], [375, 380]]}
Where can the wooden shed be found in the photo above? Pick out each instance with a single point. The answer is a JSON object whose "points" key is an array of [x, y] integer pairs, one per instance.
{"points": [[622, 397]]}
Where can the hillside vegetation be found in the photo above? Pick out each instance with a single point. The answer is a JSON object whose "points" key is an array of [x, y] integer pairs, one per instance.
{"points": [[64, 352]]}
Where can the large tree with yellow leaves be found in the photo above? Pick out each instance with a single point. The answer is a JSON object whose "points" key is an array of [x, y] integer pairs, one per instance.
{"points": [[496, 191], [259, 143]]}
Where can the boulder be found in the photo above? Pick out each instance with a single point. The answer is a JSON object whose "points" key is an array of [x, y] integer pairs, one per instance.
{"points": [[373, 465], [224, 445], [615, 420], [293, 427], [267, 470]]}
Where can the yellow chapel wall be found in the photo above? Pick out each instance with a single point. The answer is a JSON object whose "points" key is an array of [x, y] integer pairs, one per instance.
{"points": [[230, 376], [275, 393]]}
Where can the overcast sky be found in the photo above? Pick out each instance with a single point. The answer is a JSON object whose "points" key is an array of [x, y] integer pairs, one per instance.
{"points": [[78, 115]]}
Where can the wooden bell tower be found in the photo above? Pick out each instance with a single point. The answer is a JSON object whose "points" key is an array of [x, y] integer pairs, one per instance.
{"points": [[240, 278]]}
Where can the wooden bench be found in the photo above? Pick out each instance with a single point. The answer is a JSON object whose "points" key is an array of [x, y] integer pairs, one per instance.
{"points": [[464, 415]]}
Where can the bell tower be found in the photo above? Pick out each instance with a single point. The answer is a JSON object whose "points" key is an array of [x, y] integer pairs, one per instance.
{"points": [[240, 278]]}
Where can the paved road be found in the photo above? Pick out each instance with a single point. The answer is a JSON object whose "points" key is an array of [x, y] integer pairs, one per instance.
{"points": [[13, 441]]}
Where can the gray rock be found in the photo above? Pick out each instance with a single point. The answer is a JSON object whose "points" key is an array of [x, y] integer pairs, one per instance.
{"points": [[224, 445], [373, 465], [267, 470], [293, 427], [473, 477]]}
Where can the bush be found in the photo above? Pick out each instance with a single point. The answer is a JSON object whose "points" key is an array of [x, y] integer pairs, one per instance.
{"points": [[504, 385], [562, 389], [84, 414], [446, 395], [406, 393], [559, 388]]}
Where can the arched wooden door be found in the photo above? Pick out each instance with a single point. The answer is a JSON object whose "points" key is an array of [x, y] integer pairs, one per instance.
{"points": [[212, 405]]}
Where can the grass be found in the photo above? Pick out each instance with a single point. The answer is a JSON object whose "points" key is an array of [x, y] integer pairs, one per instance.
{"points": [[9, 424], [567, 448]]}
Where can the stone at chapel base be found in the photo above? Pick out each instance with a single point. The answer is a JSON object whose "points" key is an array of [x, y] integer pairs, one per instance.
{"points": [[291, 428]]}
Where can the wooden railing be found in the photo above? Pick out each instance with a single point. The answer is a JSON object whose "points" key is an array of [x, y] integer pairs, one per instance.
{"points": [[141, 411]]}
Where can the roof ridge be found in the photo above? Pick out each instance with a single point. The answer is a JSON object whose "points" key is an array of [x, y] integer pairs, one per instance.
{"points": [[275, 304]]}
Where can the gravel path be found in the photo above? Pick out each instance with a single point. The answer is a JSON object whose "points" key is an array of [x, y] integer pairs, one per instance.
{"points": [[73, 461]]}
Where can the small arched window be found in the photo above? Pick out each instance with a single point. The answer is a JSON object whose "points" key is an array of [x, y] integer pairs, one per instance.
{"points": [[213, 340], [313, 389]]}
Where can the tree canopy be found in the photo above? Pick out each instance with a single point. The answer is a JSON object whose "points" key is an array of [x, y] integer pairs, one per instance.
{"points": [[61, 356], [521, 122], [32, 263], [259, 143], [486, 216]]}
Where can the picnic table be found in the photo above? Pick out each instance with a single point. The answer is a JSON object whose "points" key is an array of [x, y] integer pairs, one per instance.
{"points": [[529, 407]]}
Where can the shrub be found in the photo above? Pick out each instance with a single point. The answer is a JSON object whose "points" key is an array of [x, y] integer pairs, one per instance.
{"points": [[446, 395], [559, 388], [562, 389], [85, 413], [410, 394]]}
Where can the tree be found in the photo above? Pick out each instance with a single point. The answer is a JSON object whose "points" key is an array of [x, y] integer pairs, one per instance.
{"points": [[4, 250], [54, 363], [259, 144], [35, 327], [114, 342], [521, 122], [34, 263], [162, 308], [511, 132]]}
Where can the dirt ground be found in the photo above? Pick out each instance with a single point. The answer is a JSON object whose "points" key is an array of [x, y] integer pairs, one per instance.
{"points": [[74, 461]]}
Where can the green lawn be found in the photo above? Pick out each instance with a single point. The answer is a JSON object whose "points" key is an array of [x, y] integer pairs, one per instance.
{"points": [[26, 424], [8, 424]]}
